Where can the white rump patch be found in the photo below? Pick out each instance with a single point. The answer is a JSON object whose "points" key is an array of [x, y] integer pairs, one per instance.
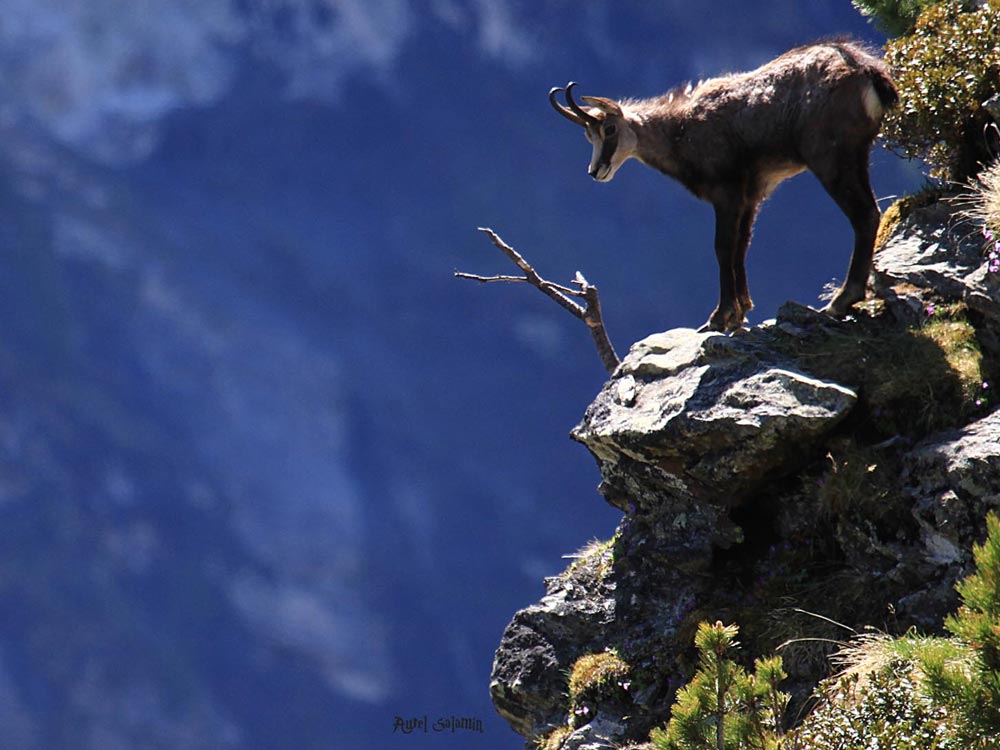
{"points": [[872, 104]]}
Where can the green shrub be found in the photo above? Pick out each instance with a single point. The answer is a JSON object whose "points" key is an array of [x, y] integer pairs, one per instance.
{"points": [[894, 17], [882, 710], [944, 71]]}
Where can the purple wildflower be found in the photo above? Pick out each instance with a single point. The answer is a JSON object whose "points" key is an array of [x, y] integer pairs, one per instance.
{"points": [[993, 256]]}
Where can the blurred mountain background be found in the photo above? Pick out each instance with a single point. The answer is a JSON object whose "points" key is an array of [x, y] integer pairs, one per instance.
{"points": [[269, 476]]}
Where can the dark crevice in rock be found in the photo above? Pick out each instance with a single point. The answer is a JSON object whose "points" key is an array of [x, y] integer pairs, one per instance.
{"points": [[757, 518]]}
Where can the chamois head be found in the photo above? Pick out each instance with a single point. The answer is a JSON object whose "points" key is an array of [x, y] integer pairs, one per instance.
{"points": [[606, 127]]}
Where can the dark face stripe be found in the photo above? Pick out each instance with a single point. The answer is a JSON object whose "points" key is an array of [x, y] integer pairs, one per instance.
{"points": [[608, 148]]}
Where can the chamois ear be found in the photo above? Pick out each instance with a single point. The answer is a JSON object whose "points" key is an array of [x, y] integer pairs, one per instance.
{"points": [[606, 106]]}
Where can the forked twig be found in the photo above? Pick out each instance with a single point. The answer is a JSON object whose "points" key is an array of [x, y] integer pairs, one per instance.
{"points": [[589, 313]]}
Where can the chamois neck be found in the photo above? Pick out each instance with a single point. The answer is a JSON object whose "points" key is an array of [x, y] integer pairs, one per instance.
{"points": [[656, 125]]}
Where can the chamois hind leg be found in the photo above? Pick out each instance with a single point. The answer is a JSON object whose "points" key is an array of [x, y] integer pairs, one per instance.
{"points": [[845, 177], [728, 315]]}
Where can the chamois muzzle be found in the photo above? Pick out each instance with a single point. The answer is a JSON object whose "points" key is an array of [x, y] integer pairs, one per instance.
{"points": [[599, 172], [574, 112]]}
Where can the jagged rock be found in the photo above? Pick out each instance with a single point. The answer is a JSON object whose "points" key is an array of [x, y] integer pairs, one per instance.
{"points": [[623, 597], [688, 425], [543, 641], [954, 479], [935, 248], [760, 475]]}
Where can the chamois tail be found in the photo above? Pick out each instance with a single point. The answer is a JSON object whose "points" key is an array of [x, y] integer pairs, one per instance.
{"points": [[884, 87]]}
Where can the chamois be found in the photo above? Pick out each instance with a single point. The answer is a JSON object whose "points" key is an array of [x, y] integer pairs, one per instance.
{"points": [[731, 140]]}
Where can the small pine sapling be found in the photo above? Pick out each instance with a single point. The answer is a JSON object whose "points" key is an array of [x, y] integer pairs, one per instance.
{"points": [[724, 707], [969, 688]]}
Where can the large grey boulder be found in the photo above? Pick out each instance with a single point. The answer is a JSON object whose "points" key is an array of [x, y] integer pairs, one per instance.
{"points": [[708, 417]]}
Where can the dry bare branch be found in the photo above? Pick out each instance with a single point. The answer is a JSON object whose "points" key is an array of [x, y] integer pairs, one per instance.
{"points": [[589, 312]]}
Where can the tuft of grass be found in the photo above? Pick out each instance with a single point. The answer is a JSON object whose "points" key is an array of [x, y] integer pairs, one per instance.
{"points": [[951, 331], [982, 207], [592, 672], [596, 678], [983, 201], [781, 619], [553, 740], [927, 378], [860, 483], [888, 223], [876, 652], [595, 556], [875, 699]]}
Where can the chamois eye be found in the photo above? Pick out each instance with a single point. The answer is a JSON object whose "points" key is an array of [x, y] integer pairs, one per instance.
{"points": [[610, 129]]}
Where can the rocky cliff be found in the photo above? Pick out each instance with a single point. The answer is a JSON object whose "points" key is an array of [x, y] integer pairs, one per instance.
{"points": [[798, 478]]}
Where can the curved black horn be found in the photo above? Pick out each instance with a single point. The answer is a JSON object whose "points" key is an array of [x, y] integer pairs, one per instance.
{"points": [[563, 110], [585, 116]]}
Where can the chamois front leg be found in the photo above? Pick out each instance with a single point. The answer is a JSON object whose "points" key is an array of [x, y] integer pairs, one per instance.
{"points": [[728, 315], [743, 244]]}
